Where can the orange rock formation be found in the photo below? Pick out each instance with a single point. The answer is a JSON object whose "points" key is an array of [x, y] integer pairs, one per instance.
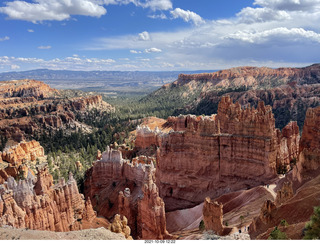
{"points": [[138, 199], [24, 151], [29, 106], [36, 203], [253, 76], [213, 216], [295, 201], [210, 156]]}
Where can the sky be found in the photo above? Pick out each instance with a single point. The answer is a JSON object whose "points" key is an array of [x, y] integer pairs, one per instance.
{"points": [[157, 35]]}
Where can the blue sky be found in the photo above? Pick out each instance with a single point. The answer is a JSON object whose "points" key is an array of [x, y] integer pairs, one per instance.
{"points": [[157, 35]]}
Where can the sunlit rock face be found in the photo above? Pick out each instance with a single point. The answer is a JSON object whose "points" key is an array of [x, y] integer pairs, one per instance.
{"points": [[35, 203], [212, 155], [118, 186]]}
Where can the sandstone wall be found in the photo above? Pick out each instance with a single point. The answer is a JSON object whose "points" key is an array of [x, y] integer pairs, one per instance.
{"points": [[254, 76], [24, 151], [36, 203], [118, 186], [309, 157], [213, 216], [26, 88], [209, 156]]}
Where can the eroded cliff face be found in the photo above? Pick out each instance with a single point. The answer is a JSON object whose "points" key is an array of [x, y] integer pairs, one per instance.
{"points": [[299, 193], [29, 106], [37, 204], [210, 156], [26, 88], [118, 186], [254, 76], [309, 157], [23, 151], [213, 216]]}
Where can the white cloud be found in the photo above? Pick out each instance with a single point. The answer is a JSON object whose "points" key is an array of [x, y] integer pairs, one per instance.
{"points": [[158, 16], [253, 15], [290, 5], [44, 47], [187, 16], [153, 50], [30, 30], [71, 63], [144, 36], [156, 4], [41, 10], [14, 67], [48, 10], [281, 35], [152, 4], [135, 51], [6, 38]]}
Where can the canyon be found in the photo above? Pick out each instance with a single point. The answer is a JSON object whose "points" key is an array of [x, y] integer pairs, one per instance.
{"points": [[234, 170], [210, 156], [29, 107]]}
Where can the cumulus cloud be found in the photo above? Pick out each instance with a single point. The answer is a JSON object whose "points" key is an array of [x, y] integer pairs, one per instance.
{"points": [[187, 16], [30, 30], [280, 35], [44, 47], [253, 15], [40, 10], [6, 38], [290, 5], [152, 4], [14, 67], [47, 10], [144, 36], [153, 50], [156, 4]]}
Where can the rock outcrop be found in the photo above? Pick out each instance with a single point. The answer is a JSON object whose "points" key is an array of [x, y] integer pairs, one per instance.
{"points": [[35, 203], [120, 225], [285, 193], [26, 88], [147, 138], [213, 216], [29, 106], [118, 186], [255, 77], [308, 164], [212, 155], [23, 151], [295, 201]]}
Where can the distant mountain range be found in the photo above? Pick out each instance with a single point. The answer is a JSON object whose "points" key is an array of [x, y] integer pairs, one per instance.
{"points": [[96, 80]]}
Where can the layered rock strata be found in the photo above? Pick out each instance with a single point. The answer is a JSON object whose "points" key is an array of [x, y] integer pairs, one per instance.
{"points": [[29, 106], [35, 203], [213, 216], [236, 149], [23, 151], [295, 201], [118, 186], [26, 88], [255, 77], [309, 157]]}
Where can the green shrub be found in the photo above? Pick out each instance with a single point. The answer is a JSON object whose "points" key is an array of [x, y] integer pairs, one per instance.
{"points": [[312, 228], [284, 223], [201, 225], [277, 234]]}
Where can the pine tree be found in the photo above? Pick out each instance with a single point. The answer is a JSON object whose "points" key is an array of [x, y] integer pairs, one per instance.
{"points": [[312, 228]]}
